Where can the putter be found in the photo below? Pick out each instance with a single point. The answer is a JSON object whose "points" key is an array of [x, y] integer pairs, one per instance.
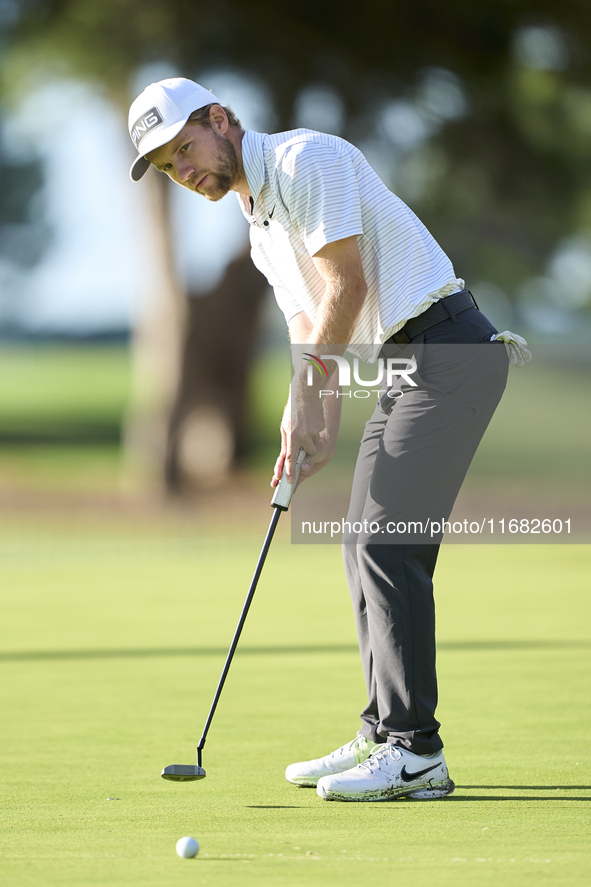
{"points": [[280, 502]]}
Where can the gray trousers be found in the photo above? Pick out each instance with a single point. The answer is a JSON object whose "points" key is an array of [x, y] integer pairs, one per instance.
{"points": [[413, 457]]}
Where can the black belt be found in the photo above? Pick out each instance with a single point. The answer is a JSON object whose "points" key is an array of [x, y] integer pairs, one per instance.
{"points": [[444, 309]]}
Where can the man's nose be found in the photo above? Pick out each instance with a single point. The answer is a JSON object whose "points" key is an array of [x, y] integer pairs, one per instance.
{"points": [[184, 170]]}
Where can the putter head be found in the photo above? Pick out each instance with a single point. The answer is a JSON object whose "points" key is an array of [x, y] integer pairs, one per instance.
{"points": [[183, 772]]}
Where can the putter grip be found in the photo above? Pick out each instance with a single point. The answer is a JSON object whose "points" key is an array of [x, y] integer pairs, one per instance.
{"points": [[284, 490]]}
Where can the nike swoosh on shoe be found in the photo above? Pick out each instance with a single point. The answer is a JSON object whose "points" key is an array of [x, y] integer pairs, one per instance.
{"points": [[410, 777]]}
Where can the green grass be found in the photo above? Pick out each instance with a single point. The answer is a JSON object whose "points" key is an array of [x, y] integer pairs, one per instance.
{"points": [[57, 388], [61, 409], [113, 644], [541, 430]]}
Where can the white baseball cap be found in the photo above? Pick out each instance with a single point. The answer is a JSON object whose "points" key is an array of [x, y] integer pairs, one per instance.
{"points": [[159, 114]]}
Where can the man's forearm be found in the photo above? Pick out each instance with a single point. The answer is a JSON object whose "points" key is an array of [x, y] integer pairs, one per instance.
{"points": [[338, 314], [339, 264], [332, 406], [332, 331]]}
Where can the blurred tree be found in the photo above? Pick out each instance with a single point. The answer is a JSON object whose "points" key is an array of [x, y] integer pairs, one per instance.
{"points": [[478, 114], [24, 235], [182, 429]]}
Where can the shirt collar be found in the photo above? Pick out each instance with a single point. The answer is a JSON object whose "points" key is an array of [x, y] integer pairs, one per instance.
{"points": [[253, 161]]}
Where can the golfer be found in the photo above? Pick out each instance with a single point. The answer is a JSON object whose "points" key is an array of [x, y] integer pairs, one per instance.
{"points": [[353, 268]]}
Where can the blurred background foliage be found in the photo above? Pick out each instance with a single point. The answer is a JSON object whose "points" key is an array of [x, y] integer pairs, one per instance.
{"points": [[477, 115]]}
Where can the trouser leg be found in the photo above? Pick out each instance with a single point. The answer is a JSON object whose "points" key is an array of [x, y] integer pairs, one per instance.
{"points": [[395, 622], [401, 628], [374, 430], [399, 474]]}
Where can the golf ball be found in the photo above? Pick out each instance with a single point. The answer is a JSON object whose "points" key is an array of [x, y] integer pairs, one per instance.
{"points": [[187, 848]]}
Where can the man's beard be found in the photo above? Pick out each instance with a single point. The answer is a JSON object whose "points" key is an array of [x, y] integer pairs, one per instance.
{"points": [[229, 170]]}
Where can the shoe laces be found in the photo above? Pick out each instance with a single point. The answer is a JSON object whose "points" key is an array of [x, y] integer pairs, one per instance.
{"points": [[383, 752], [347, 748]]}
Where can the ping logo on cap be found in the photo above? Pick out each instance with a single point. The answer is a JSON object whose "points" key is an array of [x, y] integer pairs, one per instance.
{"points": [[145, 124]]}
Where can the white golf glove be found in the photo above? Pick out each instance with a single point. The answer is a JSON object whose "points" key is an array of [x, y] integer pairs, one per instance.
{"points": [[515, 345]]}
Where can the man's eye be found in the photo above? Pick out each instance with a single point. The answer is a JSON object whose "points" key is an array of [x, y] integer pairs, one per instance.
{"points": [[166, 167], [184, 148]]}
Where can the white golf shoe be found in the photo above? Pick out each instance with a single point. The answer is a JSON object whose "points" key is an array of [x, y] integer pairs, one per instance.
{"points": [[389, 773], [307, 773]]}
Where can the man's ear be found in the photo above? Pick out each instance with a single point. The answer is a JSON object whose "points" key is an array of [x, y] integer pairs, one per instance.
{"points": [[218, 119]]}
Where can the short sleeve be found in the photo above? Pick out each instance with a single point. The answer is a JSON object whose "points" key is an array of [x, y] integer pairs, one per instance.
{"points": [[321, 192], [288, 303]]}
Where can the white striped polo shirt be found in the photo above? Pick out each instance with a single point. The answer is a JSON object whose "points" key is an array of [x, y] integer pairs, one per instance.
{"points": [[309, 189]]}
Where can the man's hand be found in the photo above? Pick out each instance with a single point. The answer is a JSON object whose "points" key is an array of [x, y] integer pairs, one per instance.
{"points": [[325, 450], [324, 444], [300, 430], [285, 429]]}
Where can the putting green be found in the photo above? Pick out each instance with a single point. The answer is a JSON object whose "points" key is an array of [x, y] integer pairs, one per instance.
{"points": [[112, 647]]}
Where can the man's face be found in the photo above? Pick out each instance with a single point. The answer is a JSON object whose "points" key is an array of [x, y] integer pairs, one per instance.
{"points": [[201, 159]]}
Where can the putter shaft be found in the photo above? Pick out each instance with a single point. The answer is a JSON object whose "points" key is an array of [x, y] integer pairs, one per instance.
{"points": [[239, 627], [280, 502]]}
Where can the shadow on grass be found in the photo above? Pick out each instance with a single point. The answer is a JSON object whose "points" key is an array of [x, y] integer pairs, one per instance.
{"points": [[489, 798], [154, 652], [201, 859], [527, 788], [531, 788]]}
